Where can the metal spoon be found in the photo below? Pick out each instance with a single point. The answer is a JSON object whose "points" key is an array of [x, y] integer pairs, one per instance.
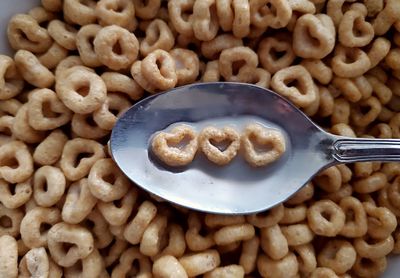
{"points": [[228, 190]]}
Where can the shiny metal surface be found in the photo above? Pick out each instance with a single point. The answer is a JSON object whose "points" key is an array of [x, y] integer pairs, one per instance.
{"points": [[229, 189]]}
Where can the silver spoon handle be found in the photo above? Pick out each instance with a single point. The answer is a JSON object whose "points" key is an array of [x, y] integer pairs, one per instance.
{"points": [[348, 150]]}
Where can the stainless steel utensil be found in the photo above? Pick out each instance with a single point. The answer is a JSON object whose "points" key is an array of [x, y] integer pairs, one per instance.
{"points": [[230, 189]]}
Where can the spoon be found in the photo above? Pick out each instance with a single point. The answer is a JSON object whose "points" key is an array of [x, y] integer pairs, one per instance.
{"points": [[233, 189]]}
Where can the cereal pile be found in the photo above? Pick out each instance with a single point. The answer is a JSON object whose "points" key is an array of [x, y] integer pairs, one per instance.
{"points": [[67, 210]]}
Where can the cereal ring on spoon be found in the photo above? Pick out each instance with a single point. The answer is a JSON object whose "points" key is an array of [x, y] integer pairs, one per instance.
{"points": [[270, 141], [212, 134], [171, 148]]}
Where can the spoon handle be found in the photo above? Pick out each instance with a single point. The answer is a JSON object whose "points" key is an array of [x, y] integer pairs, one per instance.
{"points": [[348, 150]]}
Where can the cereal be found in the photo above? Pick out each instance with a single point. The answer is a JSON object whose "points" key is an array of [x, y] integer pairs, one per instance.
{"points": [[8, 257], [270, 139], [163, 146], [111, 37], [66, 209], [212, 152]]}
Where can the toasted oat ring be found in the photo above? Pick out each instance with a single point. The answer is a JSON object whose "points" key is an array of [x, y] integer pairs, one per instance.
{"points": [[108, 38], [262, 136], [211, 151], [175, 156], [74, 79]]}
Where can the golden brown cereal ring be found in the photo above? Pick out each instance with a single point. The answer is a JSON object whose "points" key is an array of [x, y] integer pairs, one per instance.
{"points": [[11, 83], [147, 9], [102, 236], [356, 218], [35, 263], [80, 12], [293, 215], [386, 17], [84, 126], [48, 185], [379, 49], [175, 156], [118, 215], [370, 184], [218, 220], [297, 234], [262, 136], [15, 195], [302, 95], [63, 34], [62, 233], [338, 255], [159, 70], [50, 149], [24, 32], [134, 230], [304, 194], [168, 267], [234, 16], [10, 221], [373, 248], [276, 53], [106, 116], [205, 21], [22, 130], [178, 14], [120, 12], [323, 272], [285, 267], [81, 90], [212, 49], [136, 72], [8, 257], [53, 56], [383, 93], [267, 218], [186, 64], [91, 265], [32, 70], [158, 36], [200, 263], [234, 233], [248, 256], [79, 202], [211, 151], [31, 225], [350, 62], [150, 244], [126, 261], [365, 267], [106, 181], [330, 179], [84, 42], [273, 242], [196, 241], [341, 111], [46, 111], [353, 22], [234, 271], [52, 5], [270, 13], [228, 58], [321, 225], [121, 83], [16, 164], [362, 120], [73, 166], [313, 36], [306, 258], [110, 37]]}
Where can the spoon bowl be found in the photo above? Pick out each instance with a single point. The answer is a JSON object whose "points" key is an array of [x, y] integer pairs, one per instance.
{"points": [[232, 189]]}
